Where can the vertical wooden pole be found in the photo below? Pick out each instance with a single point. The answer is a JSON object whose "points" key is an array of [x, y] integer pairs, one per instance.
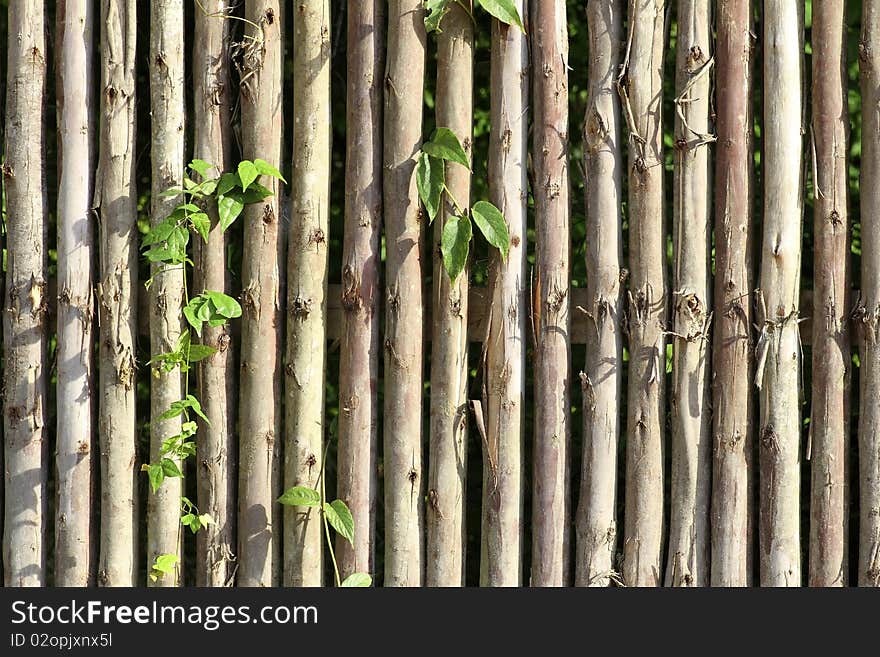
{"points": [[361, 290], [550, 300], [601, 380], [503, 485]]}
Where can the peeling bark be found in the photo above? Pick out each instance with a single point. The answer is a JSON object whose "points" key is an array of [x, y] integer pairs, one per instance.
{"points": [[403, 467], [166, 294], [641, 88], [25, 304], [307, 270], [360, 350], [116, 200], [259, 526], [778, 349], [449, 373], [216, 457], [550, 305], [602, 377]]}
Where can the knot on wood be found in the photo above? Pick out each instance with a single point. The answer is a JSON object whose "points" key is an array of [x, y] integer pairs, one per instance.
{"points": [[317, 237], [351, 289], [770, 439], [300, 307]]}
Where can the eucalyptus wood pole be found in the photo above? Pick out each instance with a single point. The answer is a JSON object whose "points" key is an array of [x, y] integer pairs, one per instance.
{"points": [[641, 87], [212, 134], [166, 294], [732, 364], [25, 304], [829, 424], [116, 201], [550, 305], [601, 380], [74, 548], [688, 552], [403, 475], [869, 419], [447, 458], [307, 269], [259, 525], [360, 350], [503, 476], [778, 349]]}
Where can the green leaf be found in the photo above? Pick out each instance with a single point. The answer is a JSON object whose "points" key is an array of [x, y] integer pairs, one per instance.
{"points": [[339, 517], [504, 10], [267, 169], [227, 182], [201, 167], [445, 145], [165, 563], [491, 223], [455, 244], [160, 232], [357, 580], [435, 10], [170, 193], [255, 193], [300, 496], [199, 352], [187, 518], [430, 180], [156, 475], [170, 469], [247, 173], [206, 519], [201, 223], [196, 406], [194, 321], [224, 304], [229, 207]]}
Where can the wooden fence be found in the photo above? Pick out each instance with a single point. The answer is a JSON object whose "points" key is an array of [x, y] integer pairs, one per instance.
{"points": [[683, 414]]}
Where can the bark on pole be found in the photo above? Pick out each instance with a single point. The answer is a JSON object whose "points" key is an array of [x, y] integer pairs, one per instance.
{"points": [[502, 530], [688, 552], [166, 294], [259, 527], [449, 374], [74, 548], [360, 350], [829, 423], [216, 457], [732, 364], [640, 88], [25, 303], [307, 269], [869, 419], [116, 201], [403, 476], [778, 349], [602, 377], [550, 301]]}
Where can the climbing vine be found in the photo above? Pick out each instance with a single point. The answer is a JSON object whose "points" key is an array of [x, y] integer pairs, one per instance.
{"points": [[166, 247], [444, 147]]}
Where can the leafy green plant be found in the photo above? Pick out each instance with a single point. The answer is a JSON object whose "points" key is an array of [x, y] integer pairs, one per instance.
{"points": [[166, 246], [335, 515], [504, 10], [444, 147]]}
